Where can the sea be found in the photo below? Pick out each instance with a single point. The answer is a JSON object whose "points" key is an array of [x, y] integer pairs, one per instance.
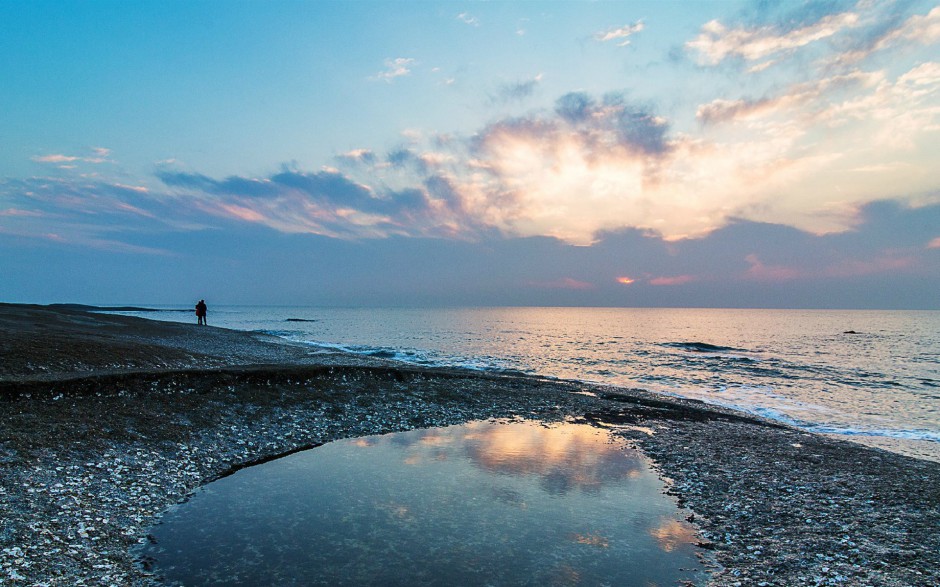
{"points": [[867, 376]]}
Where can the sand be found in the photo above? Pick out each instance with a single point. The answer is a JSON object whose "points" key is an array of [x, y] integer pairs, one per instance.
{"points": [[107, 421]]}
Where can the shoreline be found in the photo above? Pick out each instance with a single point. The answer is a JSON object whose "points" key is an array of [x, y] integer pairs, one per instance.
{"points": [[110, 420], [752, 378]]}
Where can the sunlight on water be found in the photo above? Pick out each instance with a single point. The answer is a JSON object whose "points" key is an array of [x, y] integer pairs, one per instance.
{"points": [[486, 503]]}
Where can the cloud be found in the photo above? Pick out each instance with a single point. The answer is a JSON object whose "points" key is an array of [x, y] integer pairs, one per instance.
{"points": [[889, 31], [467, 18], [808, 155], [760, 66], [887, 257], [395, 68], [517, 90], [359, 156], [83, 213], [717, 42], [788, 101], [720, 110], [78, 241], [326, 203], [574, 107], [564, 283], [882, 263], [673, 280], [569, 173], [852, 35], [241, 186], [19, 212], [521, 176], [886, 262], [923, 29], [600, 163], [58, 158], [134, 188], [55, 159], [759, 271], [89, 203], [620, 34], [421, 163], [100, 155], [810, 136], [400, 157], [614, 122]]}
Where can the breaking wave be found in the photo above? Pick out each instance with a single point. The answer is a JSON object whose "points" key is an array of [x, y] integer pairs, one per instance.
{"points": [[702, 347]]}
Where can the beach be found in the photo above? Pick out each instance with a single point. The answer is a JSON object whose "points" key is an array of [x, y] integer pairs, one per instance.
{"points": [[108, 421]]}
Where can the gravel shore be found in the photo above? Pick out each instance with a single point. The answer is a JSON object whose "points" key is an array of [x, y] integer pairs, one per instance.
{"points": [[107, 421]]}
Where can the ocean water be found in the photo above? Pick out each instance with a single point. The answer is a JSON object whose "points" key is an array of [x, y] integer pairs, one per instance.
{"points": [[868, 376]]}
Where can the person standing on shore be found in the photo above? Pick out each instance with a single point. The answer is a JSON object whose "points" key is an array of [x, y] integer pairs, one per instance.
{"points": [[201, 311]]}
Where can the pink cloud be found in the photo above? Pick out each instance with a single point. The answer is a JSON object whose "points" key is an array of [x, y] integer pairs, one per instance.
{"points": [[934, 244], [55, 159], [133, 209], [760, 272], [243, 213], [134, 188], [100, 157], [887, 262]]}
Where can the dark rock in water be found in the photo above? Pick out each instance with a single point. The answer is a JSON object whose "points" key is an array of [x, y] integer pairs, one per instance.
{"points": [[300, 320], [851, 332]]}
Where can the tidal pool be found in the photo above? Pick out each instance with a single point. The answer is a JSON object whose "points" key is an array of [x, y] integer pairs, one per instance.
{"points": [[484, 503]]}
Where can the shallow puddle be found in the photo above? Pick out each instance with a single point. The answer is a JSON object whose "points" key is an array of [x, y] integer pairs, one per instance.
{"points": [[485, 503]]}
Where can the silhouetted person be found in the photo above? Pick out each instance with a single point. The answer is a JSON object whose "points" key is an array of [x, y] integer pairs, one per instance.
{"points": [[201, 310]]}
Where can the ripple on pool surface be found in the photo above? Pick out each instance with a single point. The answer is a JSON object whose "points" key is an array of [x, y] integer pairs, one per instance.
{"points": [[485, 503]]}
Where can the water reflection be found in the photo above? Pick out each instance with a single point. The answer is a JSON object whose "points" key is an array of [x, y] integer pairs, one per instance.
{"points": [[671, 534], [562, 457], [501, 503]]}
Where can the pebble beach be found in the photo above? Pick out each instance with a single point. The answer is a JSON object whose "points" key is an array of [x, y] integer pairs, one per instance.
{"points": [[108, 421]]}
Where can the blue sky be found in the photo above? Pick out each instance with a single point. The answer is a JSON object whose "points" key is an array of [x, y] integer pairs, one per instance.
{"points": [[471, 153]]}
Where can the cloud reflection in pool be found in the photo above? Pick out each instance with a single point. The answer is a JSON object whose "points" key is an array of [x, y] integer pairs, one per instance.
{"points": [[501, 503]]}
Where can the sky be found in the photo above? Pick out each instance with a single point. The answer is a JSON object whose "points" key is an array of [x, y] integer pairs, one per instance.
{"points": [[679, 154]]}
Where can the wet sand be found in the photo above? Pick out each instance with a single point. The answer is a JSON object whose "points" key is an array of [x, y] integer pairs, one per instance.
{"points": [[109, 420]]}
